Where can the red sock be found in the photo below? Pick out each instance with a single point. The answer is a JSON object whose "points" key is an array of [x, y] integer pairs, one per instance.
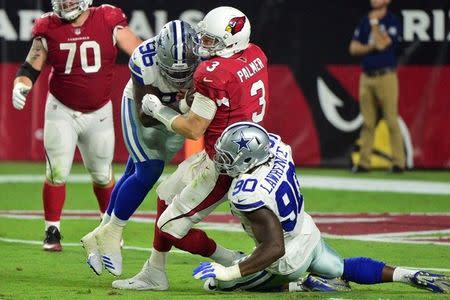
{"points": [[195, 241], [53, 197], [160, 243], [103, 194]]}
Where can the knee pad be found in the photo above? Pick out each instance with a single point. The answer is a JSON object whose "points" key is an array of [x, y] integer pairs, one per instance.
{"points": [[101, 177], [56, 173], [172, 221]]}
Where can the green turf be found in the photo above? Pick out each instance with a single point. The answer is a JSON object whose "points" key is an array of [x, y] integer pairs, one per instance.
{"points": [[27, 272]]}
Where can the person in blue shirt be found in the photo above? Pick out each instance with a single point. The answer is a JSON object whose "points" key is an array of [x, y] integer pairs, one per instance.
{"points": [[376, 39]]}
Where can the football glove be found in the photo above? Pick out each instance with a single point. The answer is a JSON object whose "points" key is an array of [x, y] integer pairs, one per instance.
{"points": [[214, 270], [152, 106], [19, 95]]}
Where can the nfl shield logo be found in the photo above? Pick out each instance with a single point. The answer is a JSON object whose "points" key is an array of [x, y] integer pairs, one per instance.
{"points": [[77, 31]]}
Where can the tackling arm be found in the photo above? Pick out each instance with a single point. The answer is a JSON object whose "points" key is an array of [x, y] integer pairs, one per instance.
{"points": [[268, 232], [191, 125], [269, 235], [139, 91]]}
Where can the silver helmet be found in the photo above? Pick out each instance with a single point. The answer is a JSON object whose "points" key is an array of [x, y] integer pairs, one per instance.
{"points": [[241, 147], [175, 52], [70, 9]]}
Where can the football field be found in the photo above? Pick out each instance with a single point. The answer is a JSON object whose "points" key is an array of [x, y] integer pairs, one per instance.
{"points": [[403, 220]]}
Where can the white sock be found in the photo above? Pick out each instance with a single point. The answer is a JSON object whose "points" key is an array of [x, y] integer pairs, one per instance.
{"points": [[105, 219], [402, 274], [158, 259], [116, 225], [52, 223], [224, 256]]}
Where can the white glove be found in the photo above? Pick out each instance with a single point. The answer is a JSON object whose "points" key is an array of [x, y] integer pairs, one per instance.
{"points": [[19, 95], [215, 270], [151, 105]]}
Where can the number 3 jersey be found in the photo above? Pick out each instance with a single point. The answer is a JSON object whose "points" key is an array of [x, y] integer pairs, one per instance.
{"points": [[82, 58], [239, 87], [275, 186]]}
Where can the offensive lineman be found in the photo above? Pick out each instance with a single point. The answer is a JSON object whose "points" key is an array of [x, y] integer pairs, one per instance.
{"points": [[265, 196], [231, 86], [80, 43]]}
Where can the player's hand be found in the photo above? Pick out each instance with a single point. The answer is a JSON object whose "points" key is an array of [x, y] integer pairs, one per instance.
{"points": [[151, 105], [214, 270], [19, 95]]}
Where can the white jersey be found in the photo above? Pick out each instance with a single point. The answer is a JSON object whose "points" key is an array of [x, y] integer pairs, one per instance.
{"points": [[144, 69], [275, 186], [146, 143]]}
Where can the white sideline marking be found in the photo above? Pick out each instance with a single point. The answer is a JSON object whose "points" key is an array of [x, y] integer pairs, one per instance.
{"points": [[308, 181], [144, 249]]}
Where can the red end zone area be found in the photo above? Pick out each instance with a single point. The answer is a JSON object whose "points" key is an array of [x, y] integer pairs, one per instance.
{"points": [[431, 228]]}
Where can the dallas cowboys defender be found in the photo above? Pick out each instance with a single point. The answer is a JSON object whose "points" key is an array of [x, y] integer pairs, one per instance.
{"points": [[161, 66], [265, 195]]}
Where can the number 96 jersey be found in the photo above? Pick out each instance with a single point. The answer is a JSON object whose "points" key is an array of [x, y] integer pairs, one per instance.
{"points": [[275, 186], [82, 58], [144, 70]]}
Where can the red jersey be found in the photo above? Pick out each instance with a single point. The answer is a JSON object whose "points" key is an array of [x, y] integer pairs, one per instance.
{"points": [[82, 58], [239, 87]]}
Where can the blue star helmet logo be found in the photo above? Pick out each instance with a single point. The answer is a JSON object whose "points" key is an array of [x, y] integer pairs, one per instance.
{"points": [[242, 143]]}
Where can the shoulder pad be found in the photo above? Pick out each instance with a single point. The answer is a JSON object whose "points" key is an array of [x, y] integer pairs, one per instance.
{"points": [[244, 194], [113, 16], [142, 65], [41, 24]]}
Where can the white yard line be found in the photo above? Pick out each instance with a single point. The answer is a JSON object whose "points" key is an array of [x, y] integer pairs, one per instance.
{"points": [[144, 249], [307, 181]]}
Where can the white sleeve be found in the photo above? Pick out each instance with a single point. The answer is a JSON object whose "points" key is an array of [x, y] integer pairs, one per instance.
{"points": [[203, 106]]}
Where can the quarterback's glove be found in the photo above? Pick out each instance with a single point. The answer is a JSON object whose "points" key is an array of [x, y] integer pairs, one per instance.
{"points": [[19, 95], [152, 106], [214, 270]]}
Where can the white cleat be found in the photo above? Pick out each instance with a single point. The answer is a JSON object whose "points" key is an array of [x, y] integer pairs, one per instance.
{"points": [[94, 259], [149, 278], [109, 247]]}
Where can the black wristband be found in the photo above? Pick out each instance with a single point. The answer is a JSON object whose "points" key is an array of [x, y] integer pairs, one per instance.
{"points": [[27, 70]]}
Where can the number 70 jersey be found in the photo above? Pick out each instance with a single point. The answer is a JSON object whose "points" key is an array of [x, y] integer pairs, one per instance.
{"points": [[275, 186], [82, 58]]}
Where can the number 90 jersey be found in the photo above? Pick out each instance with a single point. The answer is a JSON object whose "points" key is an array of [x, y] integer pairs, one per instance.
{"points": [[275, 186], [82, 58]]}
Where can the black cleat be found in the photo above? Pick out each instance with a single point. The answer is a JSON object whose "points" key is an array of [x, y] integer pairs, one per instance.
{"points": [[359, 169], [52, 241], [396, 170]]}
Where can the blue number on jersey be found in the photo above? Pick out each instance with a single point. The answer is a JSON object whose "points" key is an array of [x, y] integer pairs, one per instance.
{"points": [[148, 51], [247, 185], [290, 191]]}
